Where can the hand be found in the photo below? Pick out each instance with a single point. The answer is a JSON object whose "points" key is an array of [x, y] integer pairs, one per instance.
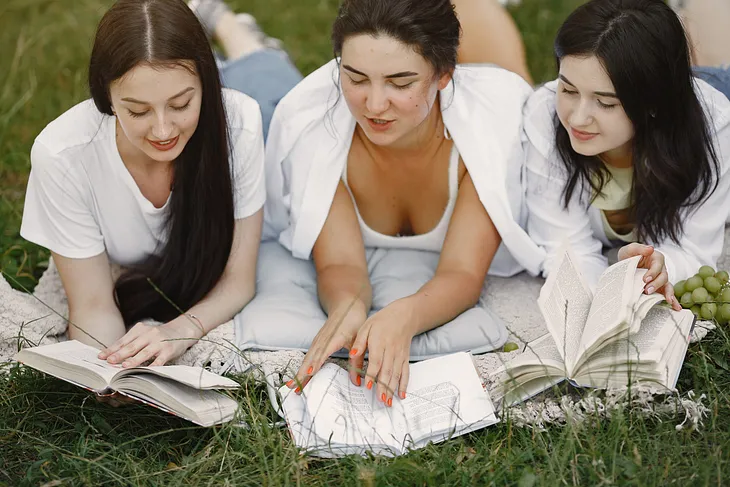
{"points": [[656, 278], [338, 332], [387, 336], [146, 342]]}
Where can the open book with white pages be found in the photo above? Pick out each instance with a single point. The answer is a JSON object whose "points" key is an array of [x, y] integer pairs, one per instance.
{"points": [[617, 337], [188, 392], [332, 417]]}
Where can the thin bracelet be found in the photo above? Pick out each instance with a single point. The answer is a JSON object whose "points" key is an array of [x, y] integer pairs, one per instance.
{"points": [[197, 320]]}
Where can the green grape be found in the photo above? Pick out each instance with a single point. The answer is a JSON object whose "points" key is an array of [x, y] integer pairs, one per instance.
{"points": [[700, 295], [725, 295], [723, 314], [696, 310], [510, 347], [693, 283], [686, 300], [713, 284], [723, 276], [679, 289], [708, 311], [706, 271]]}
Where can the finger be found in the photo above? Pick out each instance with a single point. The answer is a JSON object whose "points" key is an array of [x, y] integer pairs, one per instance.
{"points": [[656, 267], [634, 249], [668, 292], [162, 359], [148, 352], [128, 350], [128, 337], [393, 381], [375, 358], [356, 364], [657, 283], [384, 377], [404, 375]]}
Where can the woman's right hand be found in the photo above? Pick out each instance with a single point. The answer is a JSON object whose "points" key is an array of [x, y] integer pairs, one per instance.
{"points": [[339, 331]]}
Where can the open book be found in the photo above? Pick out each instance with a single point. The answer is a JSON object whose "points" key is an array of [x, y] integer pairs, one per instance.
{"points": [[188, 392], [614, 338], [332, 417]]}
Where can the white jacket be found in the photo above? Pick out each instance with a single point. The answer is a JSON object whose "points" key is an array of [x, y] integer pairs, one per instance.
{"points": [[309, 141], [549, 223]]}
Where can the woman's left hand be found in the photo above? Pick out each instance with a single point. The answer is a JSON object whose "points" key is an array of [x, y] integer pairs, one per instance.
{"points": [[656, 279], [147, 342], [387, 337]]}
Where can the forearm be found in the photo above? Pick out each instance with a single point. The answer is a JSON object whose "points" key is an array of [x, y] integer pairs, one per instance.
{"points": [[342, 287], [97, 326], [442, 299]]}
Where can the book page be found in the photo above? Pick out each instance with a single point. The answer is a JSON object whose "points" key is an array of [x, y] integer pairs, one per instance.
{"points": [[445, 397], [615, 296], [195, 377], [73, 361], [565, 301]]}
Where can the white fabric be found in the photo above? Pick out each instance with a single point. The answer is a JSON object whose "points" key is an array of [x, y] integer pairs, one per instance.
{"points": [[433, 240], [81, 199], [310, 136], [549, 224], [286, 314]]}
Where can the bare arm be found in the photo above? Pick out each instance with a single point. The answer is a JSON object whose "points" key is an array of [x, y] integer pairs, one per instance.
{"points": [[234, 290], [93, 313], [343, 285]]}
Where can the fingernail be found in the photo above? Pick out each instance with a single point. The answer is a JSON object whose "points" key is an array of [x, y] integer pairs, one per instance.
{"points": [[648, 279], [402, 395], [390, 402], [101, 355], [309, 370], [297, 390], [125, 364], [382, 397], [290, 383], [358, 381], [353, 352], [370, 384], [650, 289]]}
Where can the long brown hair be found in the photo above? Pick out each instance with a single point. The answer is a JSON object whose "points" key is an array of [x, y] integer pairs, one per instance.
{"points": [[200, 219]]}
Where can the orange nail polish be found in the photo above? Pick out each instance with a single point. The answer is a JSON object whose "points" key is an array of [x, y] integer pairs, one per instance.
{"points": [[309, 370], [382, 397], [390, 402], [370, 384], [290, 383], [297, 390], [358, 381], [403, 395], [353, 352]]}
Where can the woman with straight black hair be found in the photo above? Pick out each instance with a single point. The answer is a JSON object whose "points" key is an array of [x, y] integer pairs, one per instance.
{"points": [[160, 172], [627, 148]]}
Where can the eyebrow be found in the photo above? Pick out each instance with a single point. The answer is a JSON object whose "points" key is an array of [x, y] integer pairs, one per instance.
{"points": [[402, 74], [599, 93], [132, 100]]}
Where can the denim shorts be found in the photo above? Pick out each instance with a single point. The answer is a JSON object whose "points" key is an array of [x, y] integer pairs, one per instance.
{"points": [[266, 76], [719, 78]]}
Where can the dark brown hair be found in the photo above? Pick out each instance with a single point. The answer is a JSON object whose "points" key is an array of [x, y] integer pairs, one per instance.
{"points": [[429, 26], [200, 218], [643, 48]]}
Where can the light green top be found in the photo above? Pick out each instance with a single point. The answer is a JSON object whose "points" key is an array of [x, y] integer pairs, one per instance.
{"points": [[616, 195]]}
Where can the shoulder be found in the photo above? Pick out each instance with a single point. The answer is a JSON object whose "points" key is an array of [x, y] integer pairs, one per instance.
{"points": [[74, 129], [539, 118], [243, 113], [500, 82], [715, 103]]}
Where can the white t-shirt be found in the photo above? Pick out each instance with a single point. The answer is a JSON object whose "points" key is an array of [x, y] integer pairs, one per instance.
{"points": [[81, 199]]}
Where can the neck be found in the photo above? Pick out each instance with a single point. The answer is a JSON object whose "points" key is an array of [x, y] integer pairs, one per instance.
{"points": [[418, 146], [620, 157]]}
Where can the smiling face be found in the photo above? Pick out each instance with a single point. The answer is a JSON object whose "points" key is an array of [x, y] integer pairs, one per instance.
{"points": [[388, 86], [157, 110], [589, 110]]}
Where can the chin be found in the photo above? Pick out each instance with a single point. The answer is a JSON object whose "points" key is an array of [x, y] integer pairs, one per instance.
{"points": [[585, 149]]}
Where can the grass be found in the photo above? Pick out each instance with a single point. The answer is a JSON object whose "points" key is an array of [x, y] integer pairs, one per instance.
{"points": [[52, 433]]}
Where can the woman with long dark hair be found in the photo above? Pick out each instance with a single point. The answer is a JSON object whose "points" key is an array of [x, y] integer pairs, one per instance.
{"points": [[627, 148], [161, 172], [398, 172]]}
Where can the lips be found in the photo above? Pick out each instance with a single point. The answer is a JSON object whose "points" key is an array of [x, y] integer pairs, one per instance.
{"points": [[164, 145], [582, 136], [379, 125]]}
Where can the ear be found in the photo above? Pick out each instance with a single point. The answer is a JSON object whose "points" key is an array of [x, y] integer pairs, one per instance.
{"points": [[445, 79]]}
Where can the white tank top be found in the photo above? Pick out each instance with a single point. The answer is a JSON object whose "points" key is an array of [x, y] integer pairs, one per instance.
{"points": [[432, 240]]}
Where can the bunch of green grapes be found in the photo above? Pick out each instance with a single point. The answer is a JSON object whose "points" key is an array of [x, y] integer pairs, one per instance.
{"points": [[707, 294]]}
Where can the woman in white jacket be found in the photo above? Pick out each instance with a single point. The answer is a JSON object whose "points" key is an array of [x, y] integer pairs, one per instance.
{"points": [[392, 145], [627, 148]]}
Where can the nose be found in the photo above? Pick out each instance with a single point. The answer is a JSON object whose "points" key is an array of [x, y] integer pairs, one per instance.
{"points": [[582, 114], [162, 128], [377, 100]]}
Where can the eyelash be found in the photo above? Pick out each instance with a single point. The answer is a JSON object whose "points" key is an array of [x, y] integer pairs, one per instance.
{"points": [[142, 114], [600, 103], [397, 87]]}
